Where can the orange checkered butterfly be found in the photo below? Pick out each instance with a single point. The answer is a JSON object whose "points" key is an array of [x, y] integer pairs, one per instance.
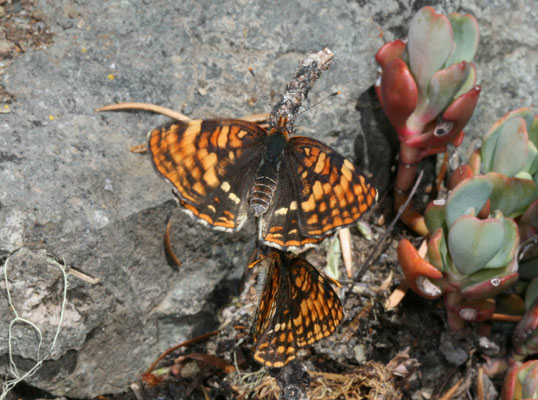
{"points": [[301, 190], [297, 307]]}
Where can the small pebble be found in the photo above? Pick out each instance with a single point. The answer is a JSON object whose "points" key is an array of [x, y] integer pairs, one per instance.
{"points": [[6, 47]]}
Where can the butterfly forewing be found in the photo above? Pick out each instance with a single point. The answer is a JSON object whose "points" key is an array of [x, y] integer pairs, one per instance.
{"points": [[332, 193], [211, 164], [279, 227], [298, 310]]}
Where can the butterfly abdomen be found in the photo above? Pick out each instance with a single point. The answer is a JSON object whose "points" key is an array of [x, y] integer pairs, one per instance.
{"points": [[263, 189]]}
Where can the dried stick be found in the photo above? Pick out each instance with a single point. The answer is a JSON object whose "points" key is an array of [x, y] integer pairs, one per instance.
{"points": [[480, 384], [370, 257], [174, 348], [145, 107], [506, 317], [448, 395], [297, 89], [169, 252], [258, 118]]}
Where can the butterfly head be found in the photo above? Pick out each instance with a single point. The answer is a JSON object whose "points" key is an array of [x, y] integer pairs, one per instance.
{"points": [[281, 128]]}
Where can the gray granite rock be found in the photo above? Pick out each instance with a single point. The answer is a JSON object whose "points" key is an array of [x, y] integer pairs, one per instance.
{"points": [[70, 187]]}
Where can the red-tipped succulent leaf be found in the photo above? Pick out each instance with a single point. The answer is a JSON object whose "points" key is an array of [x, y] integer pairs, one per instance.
{"points": [[416, 271]]}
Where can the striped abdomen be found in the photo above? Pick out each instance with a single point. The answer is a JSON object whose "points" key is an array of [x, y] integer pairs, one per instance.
{"points": [[263, 189], [265, 183]]}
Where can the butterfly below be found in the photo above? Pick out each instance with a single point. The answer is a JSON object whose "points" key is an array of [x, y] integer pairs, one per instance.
{"points": [[297, 307], [300, 189]]}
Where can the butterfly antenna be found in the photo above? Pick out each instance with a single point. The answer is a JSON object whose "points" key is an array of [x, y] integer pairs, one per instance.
{"points": [[251, 70], [315, 105]]}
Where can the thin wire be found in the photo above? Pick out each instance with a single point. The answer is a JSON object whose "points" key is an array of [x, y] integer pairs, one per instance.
{"points": [[389, 228], [10, 383]]}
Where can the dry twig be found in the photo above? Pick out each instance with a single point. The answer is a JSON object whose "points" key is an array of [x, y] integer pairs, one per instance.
{"points": [[145, 107], [381, 240], [480, 384], [448, 395], [169, 252], [149, 378]]}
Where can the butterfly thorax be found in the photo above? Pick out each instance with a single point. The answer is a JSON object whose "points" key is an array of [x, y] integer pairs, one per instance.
{"points": [[265, 183]]}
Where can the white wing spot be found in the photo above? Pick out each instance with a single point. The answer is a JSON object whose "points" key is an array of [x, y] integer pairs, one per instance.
{"points": [[281, 211], [225, 186], [234, 198]]}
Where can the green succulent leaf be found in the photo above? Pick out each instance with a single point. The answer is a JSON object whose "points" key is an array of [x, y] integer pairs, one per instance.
{"points": [[527, 376], [442, 88], [509, 246], [466, 38], [521, 381], [437, 250], [470, 194], [510, 154], [531, 165], [523, 175], [511, 196], [489, 142], [532, 130], [434, 215], [429, 45], [472, 242], [469, 82]]}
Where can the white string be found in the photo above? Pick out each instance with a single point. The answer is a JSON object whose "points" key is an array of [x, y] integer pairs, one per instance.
{"points": [[10, 383]]}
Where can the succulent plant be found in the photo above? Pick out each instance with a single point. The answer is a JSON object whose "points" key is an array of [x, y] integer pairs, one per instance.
{"points": [[524, 337], [474, 235], [470, 258], [427, 89], [521, 382], [509, 158], [510, 146]]}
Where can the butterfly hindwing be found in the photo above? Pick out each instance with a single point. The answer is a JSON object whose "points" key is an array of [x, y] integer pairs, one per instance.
{"points": [[211, 164], [270, 276], [331, 192], [318, 308], [298, 307]]}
